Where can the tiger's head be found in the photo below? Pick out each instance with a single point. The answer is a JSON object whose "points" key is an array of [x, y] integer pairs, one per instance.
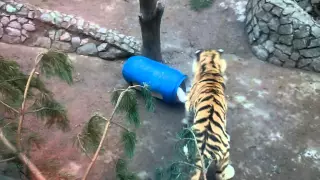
{"points": [[209, 61]]}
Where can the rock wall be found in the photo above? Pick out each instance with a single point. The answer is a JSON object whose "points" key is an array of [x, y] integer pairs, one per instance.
{"points": [[282, 33], [31, 26]]}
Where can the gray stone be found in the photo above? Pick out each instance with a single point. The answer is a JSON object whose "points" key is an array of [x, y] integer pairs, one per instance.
{"points": [[44, 42], [314, 43], [87, 49], [102, 47], [97, 35], [113, 53], [127, 41], [84, 41], [316, 64], [46, 17], [110, 40], [103, 38], [59, 32], [285, 29], [285, 49], [310, 53], [286, 39], [116, 38], [274, 24], [260, 52], [288, 10], [13, 17], [65, 37], [29, 27], [12, 31], [2, 4], [256, 31], [295, 56], [263, 27], [289, 63], [31, 14], [280, 55], [302, 32], [269, 46], [14, 24], [315, 31], [263, 15], [11, 39], [24, 33], [23, 12], [249, 28], [63, 46], [10, 8], [261, 39], [277, 11], [249, 17], [19, 6], [274, 37], [1, 32], [285, 20], [75, 41], [304, 62], [299, 43], [5, 20], [80, 24], [52, 34], [121, 36], [102, 30], [275, 61], [267, 6], [22, 20], [23, 38]]}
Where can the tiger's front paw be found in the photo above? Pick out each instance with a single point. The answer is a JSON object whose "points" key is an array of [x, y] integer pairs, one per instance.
{"points": [[228, 173]]}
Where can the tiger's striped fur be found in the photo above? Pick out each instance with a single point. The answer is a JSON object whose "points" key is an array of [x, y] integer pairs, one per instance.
{"points": [[206, 108]]}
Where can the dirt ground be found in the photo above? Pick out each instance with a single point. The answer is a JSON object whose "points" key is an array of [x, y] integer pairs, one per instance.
{"points": [[273, 112]]}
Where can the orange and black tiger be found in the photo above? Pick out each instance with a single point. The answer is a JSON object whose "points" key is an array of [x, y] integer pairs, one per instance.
{"points": [[206, 108]]}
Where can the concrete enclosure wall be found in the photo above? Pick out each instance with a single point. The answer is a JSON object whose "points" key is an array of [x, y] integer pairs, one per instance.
{"points": [[31, 26], [283, 33]]}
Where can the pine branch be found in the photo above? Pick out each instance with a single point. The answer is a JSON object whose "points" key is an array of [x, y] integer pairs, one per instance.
{"points": [[35, 171], [103, 136], [122, 172], [129, 140], [8, 106], [54, 63], [8, 159], [23, 106]]}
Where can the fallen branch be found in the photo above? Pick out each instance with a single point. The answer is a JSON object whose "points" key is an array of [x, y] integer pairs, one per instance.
{"points": [[6, 160], [23, 106], [103, 136], [34, 170], [8, 106]]}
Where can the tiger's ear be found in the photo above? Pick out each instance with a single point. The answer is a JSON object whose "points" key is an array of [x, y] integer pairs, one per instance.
{"points": [[223, 65]]}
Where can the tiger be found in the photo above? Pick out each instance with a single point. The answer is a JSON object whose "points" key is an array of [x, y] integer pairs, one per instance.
{"points": [[205, 112]]}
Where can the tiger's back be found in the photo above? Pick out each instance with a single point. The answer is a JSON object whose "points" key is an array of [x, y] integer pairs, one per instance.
{"points": [[206, 107]]}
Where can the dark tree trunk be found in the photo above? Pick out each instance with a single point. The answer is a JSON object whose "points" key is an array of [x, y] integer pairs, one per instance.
{"points": [[150, 20]]}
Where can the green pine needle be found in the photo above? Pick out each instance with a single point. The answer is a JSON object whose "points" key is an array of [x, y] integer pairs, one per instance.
{"points": [[91, 134], [122, 172], [159, 174], [54, 63], [48, 109], [198, 5], [146, 93], [133, 116], [129, 140]]}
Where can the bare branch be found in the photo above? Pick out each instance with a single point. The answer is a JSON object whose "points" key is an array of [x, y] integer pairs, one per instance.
{"points": [[8, 106], [104, 135], [34, 170], [6, 160], [23, 106]]}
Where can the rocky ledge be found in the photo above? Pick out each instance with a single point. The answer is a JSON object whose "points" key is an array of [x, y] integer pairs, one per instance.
{"points": [[283, 33], [23, 24]]}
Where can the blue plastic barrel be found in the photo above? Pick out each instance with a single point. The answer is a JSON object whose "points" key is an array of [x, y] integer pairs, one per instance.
{"points": [[161, 78]]}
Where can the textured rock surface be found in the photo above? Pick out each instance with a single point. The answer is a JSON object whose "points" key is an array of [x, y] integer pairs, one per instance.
{"points": [[64, 32], [283, 33]]}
